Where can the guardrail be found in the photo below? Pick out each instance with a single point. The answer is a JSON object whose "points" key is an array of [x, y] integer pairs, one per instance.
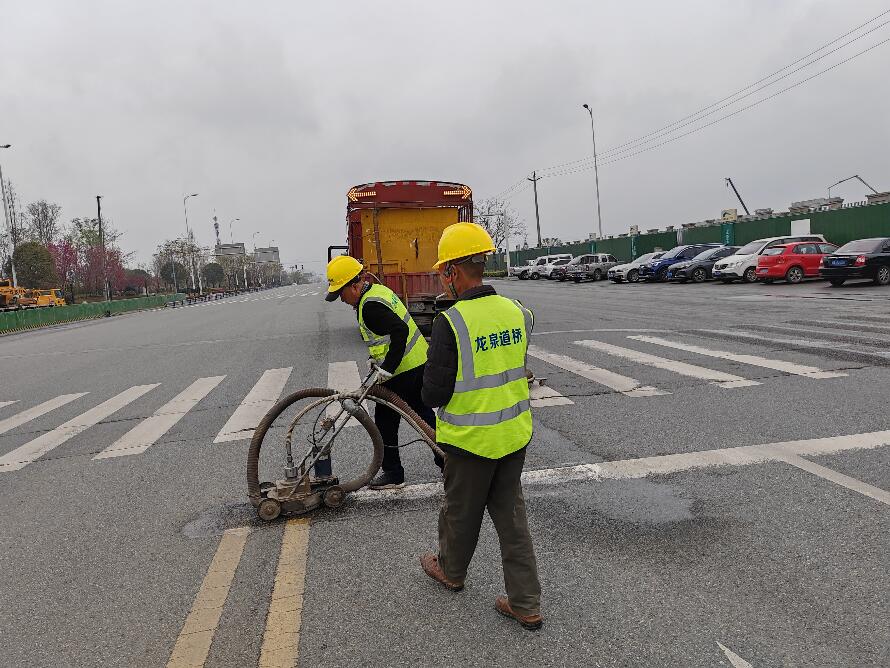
{"points": [[13, 321], [187, 300]]}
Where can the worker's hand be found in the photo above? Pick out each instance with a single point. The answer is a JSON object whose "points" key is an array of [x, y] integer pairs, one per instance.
{"points": [[381, 375]]}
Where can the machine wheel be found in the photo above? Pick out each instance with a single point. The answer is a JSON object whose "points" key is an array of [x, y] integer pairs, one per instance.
{"points": [[794, 275], [633, 276], [269, 509], [837, 282], [883, 276], [254, 491], [597, 274], [333, 496], [699, 275], [750, 275]]}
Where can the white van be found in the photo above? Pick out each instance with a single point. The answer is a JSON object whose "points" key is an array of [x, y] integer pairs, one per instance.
{"points": [[538, 267], [743, 264]]}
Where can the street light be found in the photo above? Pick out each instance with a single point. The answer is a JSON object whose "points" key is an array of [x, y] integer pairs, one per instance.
{"points": [[106, 293], [15, 282], [188, 236], [596, 173], [231, 238]]}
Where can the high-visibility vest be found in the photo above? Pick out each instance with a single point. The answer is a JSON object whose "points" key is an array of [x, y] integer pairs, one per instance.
{"points": [[489, 413], [378, 346]]}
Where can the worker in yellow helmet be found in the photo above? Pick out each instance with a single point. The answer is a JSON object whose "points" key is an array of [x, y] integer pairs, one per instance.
{"points": [[396, 347], [475, 375]]}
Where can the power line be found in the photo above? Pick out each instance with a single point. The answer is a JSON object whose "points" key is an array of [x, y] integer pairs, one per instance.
{"points": [[723, 118], [662, 131]]}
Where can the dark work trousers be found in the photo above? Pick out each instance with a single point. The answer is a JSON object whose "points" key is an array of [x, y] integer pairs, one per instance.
{"points": [[407, 385], [473, 484]]}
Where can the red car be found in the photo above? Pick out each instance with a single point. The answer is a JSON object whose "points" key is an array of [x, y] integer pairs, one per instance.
{"points": [[792, 262]]}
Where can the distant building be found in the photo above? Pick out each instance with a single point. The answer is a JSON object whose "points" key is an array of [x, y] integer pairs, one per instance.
{"points": [[266, 255], [223, 250]]}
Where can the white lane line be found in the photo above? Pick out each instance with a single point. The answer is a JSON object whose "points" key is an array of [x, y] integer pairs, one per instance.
{"points": [[145, 434], [8, 403], [343, 377], [605, 329], [642, 467], [36, 411], [753, 360], [258, 401], [734, 659], [33, 450], [543, 395], [627, 386], [721, 379], [838, 478]]}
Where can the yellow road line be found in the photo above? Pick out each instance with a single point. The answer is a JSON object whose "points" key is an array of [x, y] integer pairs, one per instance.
{"points": [[193, 643], [281, 640]]}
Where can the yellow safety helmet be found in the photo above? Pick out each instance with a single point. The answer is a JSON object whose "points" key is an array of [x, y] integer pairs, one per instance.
{"points": [[341, 270], [463, 240]]}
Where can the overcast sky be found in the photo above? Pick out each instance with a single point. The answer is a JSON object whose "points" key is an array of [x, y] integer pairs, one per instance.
{"points": [[272, 110]]}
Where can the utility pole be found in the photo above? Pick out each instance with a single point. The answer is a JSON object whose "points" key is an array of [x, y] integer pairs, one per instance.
{"points": [[596, 173], [105, 291], [188, 236], [534, 179], [732, 185], [12, 240]]}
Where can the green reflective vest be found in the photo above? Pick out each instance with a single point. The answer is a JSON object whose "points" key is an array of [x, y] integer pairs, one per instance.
{"points": [[378, 346], [489, 413]]}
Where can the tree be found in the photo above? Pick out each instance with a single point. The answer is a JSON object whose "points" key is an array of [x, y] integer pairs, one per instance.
{"points": [[499, 220], [213, 274], [551, 241], [44, 218], [34, 266], [169, 269], [137, 280]]}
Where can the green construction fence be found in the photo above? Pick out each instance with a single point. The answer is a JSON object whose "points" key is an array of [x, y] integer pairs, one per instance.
{"points": [[839, 226], [11, 321]]}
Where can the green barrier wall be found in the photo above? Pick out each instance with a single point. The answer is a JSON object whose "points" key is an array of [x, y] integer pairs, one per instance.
{"points": [[839, 226], [12, 321]]}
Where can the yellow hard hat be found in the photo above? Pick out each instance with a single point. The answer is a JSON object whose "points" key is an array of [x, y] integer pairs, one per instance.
{"points": [[463, 240], [341, 270]]}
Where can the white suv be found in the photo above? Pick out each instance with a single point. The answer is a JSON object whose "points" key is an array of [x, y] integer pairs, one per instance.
{"points": [[539, 267], [630, 272], [593, 266], [743, 264]]}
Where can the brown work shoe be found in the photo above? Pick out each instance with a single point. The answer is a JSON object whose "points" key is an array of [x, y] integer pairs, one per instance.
{"points": [[531, 622], [430, 564]]}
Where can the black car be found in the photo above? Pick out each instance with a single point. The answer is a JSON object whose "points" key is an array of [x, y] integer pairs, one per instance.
{"points": [[864, 258], [699, 268]]}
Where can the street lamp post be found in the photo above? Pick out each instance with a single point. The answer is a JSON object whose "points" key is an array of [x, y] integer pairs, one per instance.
{"points": [[15, 282], [188, 236], [232, 238], [596, 173], [105, 291]]}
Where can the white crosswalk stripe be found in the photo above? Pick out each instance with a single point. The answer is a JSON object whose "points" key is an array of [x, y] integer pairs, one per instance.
{"points": [[625, 385], [148, 431], [343, 377], [8, 403], [34, 412], [754, 360], [33, 450], [256, 404], [719, 378], [543, 395]]}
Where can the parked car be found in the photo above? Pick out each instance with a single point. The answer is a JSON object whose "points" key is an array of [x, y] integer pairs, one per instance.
{"points": [[792, 262], [656, 270], [593, 266], [534, 268], [548, 269], [743, 265], [630, 272], [559, 273], [864, 258], [699, 268]]}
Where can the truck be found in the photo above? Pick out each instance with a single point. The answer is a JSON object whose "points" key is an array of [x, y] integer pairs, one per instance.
{"points": [[393, 229]]}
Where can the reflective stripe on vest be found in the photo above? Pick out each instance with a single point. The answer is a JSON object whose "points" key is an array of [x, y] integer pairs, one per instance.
{"points": [[489, 413], [378, 346]]}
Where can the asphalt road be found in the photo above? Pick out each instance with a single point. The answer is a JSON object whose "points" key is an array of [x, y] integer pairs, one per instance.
{"points": [[712, 489]]}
